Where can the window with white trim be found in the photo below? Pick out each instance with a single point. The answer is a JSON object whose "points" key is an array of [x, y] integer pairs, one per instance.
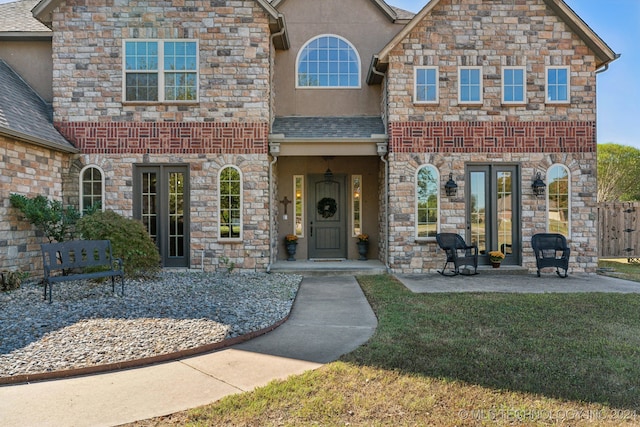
{"points": [[427, 202], [558, 200], [91, 188], [558, 84], [514, 85], [470, 85], [426, 85], [230, 204], [160, 70], [356, 207], [328, 61], [298, 184]]}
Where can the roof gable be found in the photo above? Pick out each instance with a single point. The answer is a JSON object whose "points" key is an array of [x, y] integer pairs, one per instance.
{"points": [[604, 54]]}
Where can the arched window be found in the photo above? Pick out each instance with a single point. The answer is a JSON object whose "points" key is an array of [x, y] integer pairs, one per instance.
{"points": [[328, 61], [427, 202], [230, 206], [91, 188], [558, 200]]}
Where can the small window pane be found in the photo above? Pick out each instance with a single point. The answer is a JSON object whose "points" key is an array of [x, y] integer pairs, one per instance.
{"points": [[230, 203], [558, 200], [427, 202]]}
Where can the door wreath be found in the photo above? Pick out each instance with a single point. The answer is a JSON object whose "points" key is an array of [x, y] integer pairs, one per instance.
{"points": [[327, 207]]}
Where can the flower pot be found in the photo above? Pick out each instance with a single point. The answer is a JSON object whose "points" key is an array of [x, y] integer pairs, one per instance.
{"points": [[363, 248], [495, 264], [291, 250]]}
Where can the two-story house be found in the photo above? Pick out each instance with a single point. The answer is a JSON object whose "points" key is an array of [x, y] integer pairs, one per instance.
{"points": [[225, 125]]}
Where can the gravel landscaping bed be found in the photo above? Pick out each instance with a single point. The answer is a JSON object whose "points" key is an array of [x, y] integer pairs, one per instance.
{"points": [[88, 325]]}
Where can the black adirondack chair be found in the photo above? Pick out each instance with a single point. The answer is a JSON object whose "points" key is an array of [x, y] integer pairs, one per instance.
{"points": [[551, 250], [458, 253]]}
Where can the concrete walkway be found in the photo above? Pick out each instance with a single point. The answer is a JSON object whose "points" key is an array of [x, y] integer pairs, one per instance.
{"points": [[330, 317], [489, 281]]}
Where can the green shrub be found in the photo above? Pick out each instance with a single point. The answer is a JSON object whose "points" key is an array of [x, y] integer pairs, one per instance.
{"points": [[50, 217], [129, 241]]}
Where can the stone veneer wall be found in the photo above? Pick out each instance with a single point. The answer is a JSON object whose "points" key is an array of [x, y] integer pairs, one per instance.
{"points": [[227, 125], [409, 256], [28, 170], [534, 135], [234, 52], [206, 249]]}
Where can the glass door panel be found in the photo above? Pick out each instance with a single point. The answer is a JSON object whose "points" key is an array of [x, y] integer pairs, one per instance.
{"points": [[493, 211]]}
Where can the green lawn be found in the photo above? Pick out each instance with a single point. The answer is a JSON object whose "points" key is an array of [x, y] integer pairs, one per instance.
{"points": [[463, 359]]}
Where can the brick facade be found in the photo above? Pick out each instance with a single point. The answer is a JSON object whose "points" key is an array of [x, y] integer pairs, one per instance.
{"points": [[31, 171], [158, 138]]}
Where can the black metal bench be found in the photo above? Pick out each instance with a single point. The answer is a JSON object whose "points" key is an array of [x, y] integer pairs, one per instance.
{"points": [[551, 250], [80, 260], [458, 253]]}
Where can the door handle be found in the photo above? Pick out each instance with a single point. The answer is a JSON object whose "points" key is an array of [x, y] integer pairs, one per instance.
{"points": [[311, 230]]}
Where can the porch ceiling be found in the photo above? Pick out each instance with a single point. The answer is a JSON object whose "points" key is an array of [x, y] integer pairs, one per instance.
{"points": [[337, 136]]}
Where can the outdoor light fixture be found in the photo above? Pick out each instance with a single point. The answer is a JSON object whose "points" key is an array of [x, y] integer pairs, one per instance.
{"points": [[328, 175], [451, 188], [538, 185]]}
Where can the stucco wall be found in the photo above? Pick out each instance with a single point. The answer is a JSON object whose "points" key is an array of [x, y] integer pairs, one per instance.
{"points": [[32, 61], [358, 21]]}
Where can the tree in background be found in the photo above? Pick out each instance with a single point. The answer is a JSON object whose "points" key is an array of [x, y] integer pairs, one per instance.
{"points": [[618, 173]]}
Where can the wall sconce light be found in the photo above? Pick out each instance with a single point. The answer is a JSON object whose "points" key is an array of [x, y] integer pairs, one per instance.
{"points": [[538, 185], [451, 188]]}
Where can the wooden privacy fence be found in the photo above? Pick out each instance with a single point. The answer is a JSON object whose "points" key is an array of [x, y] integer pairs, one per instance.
{"points": [[619, 230]]}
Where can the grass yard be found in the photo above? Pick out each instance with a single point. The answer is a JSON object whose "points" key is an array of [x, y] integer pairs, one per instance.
{"points": [[462, 359]]}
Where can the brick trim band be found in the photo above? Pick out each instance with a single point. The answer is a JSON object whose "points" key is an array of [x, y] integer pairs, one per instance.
{"points": [[161, 138], [493, 137]]}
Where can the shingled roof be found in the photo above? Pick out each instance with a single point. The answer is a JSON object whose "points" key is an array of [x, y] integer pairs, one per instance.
{"points": [[25, 116], [328, 128], [16, 17]]}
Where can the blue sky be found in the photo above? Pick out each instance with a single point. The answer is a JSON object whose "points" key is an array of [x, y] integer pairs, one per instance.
{"points": [[617, 22]]}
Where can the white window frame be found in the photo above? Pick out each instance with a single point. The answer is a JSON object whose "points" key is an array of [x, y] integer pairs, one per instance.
{"points": [[415, 85], [437, 181], [241, 209], [160, 71], [481, 84], [524, 85], [298, 198], [546, 85], [354, 179], [81, 182], [353, 48], [548, 192]]}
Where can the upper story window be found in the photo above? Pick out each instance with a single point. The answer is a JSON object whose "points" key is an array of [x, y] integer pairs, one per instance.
{"points": [[470, 85], [426, 85], [230, 207], [91, 189], [558, 84], [514, 85], [160, 70], [427, 202], [558, 201], [328, 61]]}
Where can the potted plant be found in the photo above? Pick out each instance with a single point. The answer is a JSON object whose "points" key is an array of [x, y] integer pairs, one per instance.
{"points": [[363, 246], [496, 257], [291, 243]]}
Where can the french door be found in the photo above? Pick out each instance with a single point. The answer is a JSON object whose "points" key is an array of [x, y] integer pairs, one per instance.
{"points": [[493, 211], [327, 217], [161, 201]]}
